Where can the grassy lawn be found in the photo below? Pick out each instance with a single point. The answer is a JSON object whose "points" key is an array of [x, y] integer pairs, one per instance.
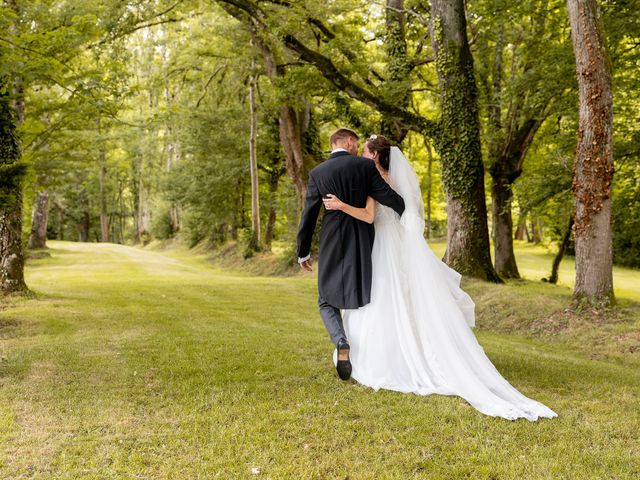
{"points": [[534, 263], [136, 364]]}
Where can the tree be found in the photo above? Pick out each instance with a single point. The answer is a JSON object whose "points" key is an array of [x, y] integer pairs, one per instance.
{"points": [[523, 68], [253, 163], [39, 221], [11, 174], [457, 144], [593, 167]]}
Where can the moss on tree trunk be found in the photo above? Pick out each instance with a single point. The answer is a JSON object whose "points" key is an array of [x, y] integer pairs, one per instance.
{"points": [[458, 144], [11, 174]]}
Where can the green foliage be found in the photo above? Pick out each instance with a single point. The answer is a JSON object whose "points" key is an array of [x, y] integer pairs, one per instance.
{"points": [[161, 86], [161, 227], [11, 176], [626, 216], [458, 143], [9, 143]]}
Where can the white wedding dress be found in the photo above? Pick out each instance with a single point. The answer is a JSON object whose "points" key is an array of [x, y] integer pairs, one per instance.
{"points": [[415, 335]]}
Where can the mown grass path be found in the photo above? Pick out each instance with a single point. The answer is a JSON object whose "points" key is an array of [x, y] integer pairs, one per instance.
{"points": [[132, 364]]}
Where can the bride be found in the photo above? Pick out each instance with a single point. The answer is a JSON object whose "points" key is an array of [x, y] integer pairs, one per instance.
{"points": [[415, 335]]}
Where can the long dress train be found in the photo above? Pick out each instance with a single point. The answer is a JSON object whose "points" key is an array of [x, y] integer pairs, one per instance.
{"points": [[415, 335]]}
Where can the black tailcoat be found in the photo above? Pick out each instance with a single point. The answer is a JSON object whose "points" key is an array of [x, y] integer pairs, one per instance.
{"points": [[344, 263]]}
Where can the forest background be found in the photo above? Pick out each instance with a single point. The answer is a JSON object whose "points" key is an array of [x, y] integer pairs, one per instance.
{"points": [[199, 120]]}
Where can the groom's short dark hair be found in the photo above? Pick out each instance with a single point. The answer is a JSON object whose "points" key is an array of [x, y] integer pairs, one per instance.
{"points": [[341, 134]]}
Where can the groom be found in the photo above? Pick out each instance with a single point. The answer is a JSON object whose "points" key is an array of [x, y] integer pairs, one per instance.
{"points": [[344, 264]]}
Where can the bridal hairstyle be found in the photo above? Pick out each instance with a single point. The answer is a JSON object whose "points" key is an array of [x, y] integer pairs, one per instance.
{"points": [[342, 134], [380, 144]]}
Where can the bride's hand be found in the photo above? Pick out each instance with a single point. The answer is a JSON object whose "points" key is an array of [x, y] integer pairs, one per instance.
{"points": [[331, 202]]}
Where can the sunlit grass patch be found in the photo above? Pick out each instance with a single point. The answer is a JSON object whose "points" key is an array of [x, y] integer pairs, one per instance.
{"points": [[137, 364]]}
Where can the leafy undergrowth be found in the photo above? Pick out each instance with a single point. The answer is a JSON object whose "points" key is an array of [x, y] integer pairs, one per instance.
{"points": [[131, 363]]}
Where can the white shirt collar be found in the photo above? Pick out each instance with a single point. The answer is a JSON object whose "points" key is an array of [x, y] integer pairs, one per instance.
{"points": [[339, 150]]}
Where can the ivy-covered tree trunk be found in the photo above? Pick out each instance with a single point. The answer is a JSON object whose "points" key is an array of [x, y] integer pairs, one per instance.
{"points": [[458, 143], [39, 221], [397, 86], [11, 174], [593, 167]]}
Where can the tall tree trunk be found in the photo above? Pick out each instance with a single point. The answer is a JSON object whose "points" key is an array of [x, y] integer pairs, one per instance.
{"points": [[143, 214], [536, 229], [459, 143], [505, 259], [562, 248], [522, 233], [293, 123], [39, 221], [276, 170], [61, 220], [397, 85], [84, 225], [253, 165], [173, 150], [173, 158], [102, 180], [593, 167], [508, 142], [11, 174]]}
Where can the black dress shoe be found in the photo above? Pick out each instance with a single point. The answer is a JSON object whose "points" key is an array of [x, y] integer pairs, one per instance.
{"points": [[343, 367]]}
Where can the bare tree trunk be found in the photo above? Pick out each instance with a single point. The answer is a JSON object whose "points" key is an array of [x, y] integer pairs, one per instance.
{"points": [[143, 215], [459, 143], [536, 229], [593, 167], [173, 151], [61, 220], [522, 233], [292, 126], [84, 226], [253, 166], [174, 211], [102, 179], [276, 170], [39, 221], [504, 255], [562, 248]]}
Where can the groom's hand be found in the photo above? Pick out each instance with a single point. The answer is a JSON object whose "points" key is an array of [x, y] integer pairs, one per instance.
{"points": [[306, 265]]}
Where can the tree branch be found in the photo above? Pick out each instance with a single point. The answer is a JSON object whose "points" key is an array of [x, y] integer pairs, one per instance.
{"points": [[330, 72]]}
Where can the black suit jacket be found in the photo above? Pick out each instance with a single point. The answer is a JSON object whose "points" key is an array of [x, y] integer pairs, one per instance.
{"points": [[344, 263]]}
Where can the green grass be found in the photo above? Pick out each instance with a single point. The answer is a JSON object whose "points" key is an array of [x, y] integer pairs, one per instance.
{"points": [[136, 364], [534, 263]]}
